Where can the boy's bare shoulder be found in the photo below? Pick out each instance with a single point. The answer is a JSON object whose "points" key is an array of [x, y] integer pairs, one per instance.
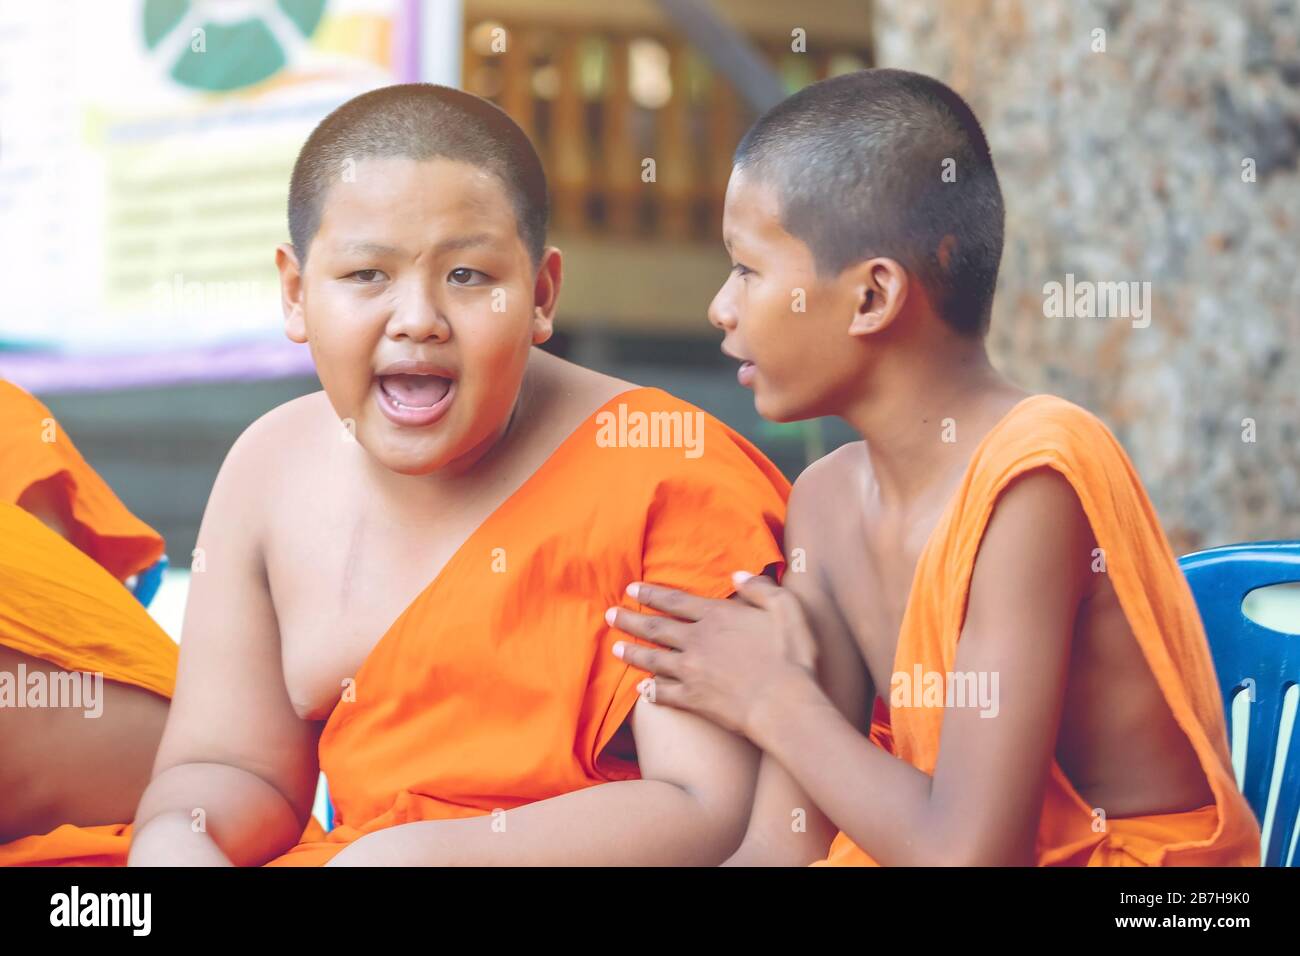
{"points": [[286, 430], [576, 382], [826, 486], [823, 503], [275, 448], [310, 411]]}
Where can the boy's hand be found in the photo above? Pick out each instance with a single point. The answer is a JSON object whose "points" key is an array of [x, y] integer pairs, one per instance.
{"points": [[722, 659]]}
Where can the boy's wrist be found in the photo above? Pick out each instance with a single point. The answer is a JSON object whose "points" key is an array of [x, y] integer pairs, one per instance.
{"points": [[781, 706]]}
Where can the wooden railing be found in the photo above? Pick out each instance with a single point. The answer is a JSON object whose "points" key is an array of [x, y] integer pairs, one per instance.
{"points": [[635, 131]]}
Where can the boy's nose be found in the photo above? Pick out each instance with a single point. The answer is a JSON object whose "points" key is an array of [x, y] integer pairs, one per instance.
{"points": [[722, 313], [419, 319]]}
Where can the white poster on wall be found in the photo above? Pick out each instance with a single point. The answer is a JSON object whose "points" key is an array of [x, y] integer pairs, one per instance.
{"points": [[145, 152]]}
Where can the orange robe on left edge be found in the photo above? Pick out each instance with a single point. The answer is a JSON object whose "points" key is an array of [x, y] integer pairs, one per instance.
{"points": [[33, 449], [65, 603], [58, 604]]}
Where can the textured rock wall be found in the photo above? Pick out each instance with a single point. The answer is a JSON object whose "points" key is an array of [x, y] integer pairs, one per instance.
{"points": [[1127, 165]]}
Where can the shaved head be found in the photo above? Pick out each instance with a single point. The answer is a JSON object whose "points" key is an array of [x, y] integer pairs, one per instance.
{"points": [[418, 121], [893, 164]]}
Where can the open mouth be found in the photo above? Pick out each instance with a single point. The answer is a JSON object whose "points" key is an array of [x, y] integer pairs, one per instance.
{"points": [[415, 391], [744, 374], [414, 399]]}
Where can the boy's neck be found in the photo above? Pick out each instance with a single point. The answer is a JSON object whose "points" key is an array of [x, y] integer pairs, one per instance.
{"points": [[926, 411]]}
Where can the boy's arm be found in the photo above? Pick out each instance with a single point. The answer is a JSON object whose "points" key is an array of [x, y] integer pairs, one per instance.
{"points": [[982, 805], [689, 809], [786, 828], [236, 770]]}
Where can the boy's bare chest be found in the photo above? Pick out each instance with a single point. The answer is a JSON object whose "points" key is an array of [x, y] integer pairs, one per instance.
{"points": [[872, 582], [339, 583]]}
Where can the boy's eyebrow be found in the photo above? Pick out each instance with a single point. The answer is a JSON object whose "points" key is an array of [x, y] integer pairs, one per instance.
{"points": [[371, 248], [465, 242], [447, 245]]}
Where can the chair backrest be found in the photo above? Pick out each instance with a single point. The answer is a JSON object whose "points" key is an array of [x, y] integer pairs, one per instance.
{"points": [[148, 581], [1263, 664], [322, 807]]}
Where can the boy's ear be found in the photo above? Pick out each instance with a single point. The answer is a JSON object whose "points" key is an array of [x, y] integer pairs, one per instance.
{"points": [[880, 290], [295, 325], [546, 293]]}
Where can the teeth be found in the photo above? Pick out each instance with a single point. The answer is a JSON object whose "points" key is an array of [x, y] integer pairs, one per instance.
{"points": [[426, 390], [400, 404]]}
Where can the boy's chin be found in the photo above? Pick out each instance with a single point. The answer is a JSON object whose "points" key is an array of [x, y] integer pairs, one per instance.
{"points": [[414, 468], [410, 455], [412, 463], [778, 408]]}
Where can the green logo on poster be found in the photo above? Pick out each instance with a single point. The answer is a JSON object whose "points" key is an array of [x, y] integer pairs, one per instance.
{"points": [[222, 45]]}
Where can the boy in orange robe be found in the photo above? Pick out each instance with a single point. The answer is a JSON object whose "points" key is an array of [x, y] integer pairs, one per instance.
{"points": [[406, 574], [985, 562]]}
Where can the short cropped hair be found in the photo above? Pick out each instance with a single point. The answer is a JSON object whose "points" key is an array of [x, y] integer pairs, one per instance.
{"points": [[858, 164], [418, 121]]}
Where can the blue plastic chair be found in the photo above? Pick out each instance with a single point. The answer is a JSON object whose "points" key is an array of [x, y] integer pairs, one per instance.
{"points": [[1262, 663], [329, 809], [148, 581]]}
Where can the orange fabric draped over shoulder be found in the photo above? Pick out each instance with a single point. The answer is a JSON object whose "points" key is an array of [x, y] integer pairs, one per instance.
{"points": [[1047, 432], [34, 449], [58, 604], [496, 687]]}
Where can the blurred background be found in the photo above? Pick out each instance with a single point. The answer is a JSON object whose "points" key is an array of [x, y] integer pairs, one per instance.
{"points": [[146, 145]]}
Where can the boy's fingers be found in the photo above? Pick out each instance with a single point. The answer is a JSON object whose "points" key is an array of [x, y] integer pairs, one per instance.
{"points": [[758, 589], [653, 627], [647, 658], [680, 604], [663, 690]]}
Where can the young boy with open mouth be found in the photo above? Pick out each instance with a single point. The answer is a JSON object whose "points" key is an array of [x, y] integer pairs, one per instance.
{"points": [[406, 574]]}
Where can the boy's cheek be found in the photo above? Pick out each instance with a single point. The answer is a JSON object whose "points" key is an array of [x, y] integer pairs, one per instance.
{"points": [[491, 343], [346, 370]]}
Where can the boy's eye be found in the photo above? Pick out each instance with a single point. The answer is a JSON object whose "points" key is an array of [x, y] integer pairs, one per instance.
{"points": [[742, 270], [366, 275], [464, 276]]}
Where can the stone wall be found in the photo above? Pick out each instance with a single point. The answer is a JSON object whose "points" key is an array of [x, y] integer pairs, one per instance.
{"points": [[1127, 165]]}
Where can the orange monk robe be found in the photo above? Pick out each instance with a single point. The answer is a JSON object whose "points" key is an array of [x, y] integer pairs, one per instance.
{"points": [[58, 604], [34, 449], [1047, 432], [496, 687], [64, 602]]}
